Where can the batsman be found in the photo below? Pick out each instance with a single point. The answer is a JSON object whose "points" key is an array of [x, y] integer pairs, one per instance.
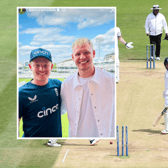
{"points": [[165, 95]]}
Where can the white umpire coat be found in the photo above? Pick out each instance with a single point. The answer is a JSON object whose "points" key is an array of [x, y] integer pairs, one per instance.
{"points": [[154, 24], [102, 91]]}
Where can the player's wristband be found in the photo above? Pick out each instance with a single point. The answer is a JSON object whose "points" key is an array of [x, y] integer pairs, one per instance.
{"points": [[125, 44]]}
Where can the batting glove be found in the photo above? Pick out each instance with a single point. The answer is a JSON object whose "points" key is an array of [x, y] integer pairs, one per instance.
{"points": [[129, 45]]}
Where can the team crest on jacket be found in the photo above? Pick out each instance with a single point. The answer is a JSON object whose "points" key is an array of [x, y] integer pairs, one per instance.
{"points": [[32, 100]]}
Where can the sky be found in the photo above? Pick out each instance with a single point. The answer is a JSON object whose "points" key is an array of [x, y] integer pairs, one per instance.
{"points": [[55, 29]]}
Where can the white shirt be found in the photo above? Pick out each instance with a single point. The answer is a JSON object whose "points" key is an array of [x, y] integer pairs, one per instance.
{"points": [[154, 24], [118, 32], [165, 93], [86, 118], [102, 93], [166, 80]]}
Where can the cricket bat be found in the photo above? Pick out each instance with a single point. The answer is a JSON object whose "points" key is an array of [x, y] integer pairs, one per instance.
{"points": [[159, 117]]}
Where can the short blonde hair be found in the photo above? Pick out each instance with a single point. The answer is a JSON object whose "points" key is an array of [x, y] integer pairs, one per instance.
{"points": [[81, 41]]}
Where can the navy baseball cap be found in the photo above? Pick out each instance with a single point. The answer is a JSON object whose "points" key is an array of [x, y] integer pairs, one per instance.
{"points": [[40, 52]]}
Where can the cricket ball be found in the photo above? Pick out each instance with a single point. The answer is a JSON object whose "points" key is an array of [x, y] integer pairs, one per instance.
{"points": [[111, 142]]}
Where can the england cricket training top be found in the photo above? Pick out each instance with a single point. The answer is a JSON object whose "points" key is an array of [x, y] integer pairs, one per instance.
{"points": [[40, 108]]}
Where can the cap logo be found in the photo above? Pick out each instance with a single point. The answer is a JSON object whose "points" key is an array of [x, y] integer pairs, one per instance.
{"points": [[42, 52]]}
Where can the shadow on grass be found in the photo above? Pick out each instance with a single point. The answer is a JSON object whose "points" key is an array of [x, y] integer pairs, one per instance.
{"points": [[148, 130], [136, 59], [71, 144]]}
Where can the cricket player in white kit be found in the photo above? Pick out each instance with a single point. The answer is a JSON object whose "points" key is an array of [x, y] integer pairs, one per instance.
{"points": [[165, 95], [128, 46]]}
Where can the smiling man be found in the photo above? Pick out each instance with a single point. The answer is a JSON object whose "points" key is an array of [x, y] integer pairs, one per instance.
{"points": [[89, 95], [83, 55], [39, 99]]}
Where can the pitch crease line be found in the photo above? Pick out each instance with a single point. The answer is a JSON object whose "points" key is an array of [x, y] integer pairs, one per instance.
{"points": [[65, 155]]}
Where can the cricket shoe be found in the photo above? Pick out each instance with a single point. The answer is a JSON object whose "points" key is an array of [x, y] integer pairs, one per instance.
{"points": [[164, 132], [49, 142], [53, 144], [157, 58], [94, 141], [151, 58]]}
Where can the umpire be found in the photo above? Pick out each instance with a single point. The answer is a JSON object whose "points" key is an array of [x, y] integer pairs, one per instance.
{"points": [[154, 24]]}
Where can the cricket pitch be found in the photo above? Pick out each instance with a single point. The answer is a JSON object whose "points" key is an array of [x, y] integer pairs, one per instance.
{"points": [[139, 101]]}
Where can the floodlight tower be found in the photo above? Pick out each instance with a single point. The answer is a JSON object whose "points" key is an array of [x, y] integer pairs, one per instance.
{"points": [[99, 39]]}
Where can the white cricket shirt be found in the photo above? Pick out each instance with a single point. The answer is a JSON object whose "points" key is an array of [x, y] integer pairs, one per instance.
{"points": [[166, 80], [118, 32], [166, 84], [165, 93], [102, 93]]}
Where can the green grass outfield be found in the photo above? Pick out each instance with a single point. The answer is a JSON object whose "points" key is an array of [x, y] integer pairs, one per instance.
{"points": [[64, 119], [131, 17]]}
